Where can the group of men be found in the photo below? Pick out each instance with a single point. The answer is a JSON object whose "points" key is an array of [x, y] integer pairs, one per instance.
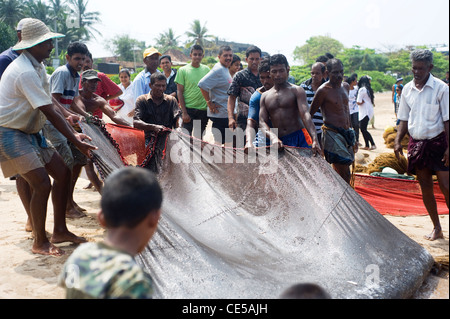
{"points": [[38, 117]]}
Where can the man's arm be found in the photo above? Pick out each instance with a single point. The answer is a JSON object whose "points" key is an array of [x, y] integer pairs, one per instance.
{"points": [[108, 111], [61, 125], [264, 126], [212, 106], [307, 119], [401, 132], [185, 115], [446, 154], [230, 109]]}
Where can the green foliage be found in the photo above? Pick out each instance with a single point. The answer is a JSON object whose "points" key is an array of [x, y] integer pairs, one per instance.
{"points": [[380, 81], [356, 59], [315, 47], [8, 38], [50, 70], [126, 48], [300, 73]]}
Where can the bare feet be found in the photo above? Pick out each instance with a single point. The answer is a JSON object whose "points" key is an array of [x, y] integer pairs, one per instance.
{"points": [[28, 226], [89, 186], [65, 237], [47, 249], [74, 213], [435, 234]]}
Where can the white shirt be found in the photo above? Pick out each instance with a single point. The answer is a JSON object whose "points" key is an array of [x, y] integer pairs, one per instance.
{"points": [[128, 98], [425, 110], [365, 109], [24, 88]]}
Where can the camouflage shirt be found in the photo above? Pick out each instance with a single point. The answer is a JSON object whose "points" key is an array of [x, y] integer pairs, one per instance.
{"points": [[97, 271]]}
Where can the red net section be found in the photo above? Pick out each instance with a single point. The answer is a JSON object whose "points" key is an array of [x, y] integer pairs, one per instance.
{"points": [[396, 196], [131, 143]]}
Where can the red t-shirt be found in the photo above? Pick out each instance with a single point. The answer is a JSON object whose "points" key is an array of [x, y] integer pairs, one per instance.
{"points": [[105, 88]]}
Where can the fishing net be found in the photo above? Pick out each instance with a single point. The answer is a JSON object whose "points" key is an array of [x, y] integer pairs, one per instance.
{"points": [[250, 226]]}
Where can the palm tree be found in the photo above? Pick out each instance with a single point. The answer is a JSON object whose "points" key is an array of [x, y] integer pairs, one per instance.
{"points": [[197, 34], [87, 20], [38, 9], [167, 40], [11, 11]]}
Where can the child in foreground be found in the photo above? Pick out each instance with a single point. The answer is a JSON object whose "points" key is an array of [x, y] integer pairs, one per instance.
{"points": [[130, 211]]}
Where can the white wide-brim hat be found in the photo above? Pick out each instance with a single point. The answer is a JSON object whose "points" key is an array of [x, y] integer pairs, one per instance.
{"points": [[34, 32]]}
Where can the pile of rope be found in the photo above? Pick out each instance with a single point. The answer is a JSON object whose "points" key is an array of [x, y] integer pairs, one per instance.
{"points": [[382, 161], [389, 135]]}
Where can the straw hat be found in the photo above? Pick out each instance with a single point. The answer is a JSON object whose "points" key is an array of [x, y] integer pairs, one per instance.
{"points": [[34, 32]]}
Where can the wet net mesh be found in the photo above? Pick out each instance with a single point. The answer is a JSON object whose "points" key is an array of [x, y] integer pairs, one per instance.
{"points": [[250, 226]]}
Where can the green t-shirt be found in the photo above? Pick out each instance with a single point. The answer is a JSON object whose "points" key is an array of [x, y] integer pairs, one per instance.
{"points": [[98, 271], [188, 76]]}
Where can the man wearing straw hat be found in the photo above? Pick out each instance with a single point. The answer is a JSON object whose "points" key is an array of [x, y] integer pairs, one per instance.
{"points": [[25, 105]]}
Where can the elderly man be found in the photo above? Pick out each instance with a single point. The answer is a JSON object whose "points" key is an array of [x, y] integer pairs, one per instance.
{"points": [[423, 112], [25, 105], [141, 84]]}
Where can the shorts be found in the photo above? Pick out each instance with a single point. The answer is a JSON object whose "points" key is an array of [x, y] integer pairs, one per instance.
{"points": [[21, 153], [299, 138], [59, 142]]}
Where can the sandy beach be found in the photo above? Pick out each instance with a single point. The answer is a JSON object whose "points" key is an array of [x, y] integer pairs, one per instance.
{"points": [[24, 275]]}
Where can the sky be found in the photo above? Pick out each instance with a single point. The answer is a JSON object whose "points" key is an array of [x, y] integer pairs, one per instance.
{"points": [[278, 26]]}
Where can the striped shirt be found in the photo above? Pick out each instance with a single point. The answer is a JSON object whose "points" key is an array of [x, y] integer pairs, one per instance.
{"points": [[317, 118], [65, 81]]}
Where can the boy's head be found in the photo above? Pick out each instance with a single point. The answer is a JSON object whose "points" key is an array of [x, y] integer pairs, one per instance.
{"points": [[131, 198], [76, 54]]}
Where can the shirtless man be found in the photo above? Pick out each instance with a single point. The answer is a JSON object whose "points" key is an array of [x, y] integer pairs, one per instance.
{"points": [[285, 106], [339, 141], [89, 102]]}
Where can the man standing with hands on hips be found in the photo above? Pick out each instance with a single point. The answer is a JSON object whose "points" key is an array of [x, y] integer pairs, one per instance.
{"points": [[424, 113]]}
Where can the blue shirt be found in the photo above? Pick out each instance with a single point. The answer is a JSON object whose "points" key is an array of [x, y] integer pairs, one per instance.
{"points": [[141, 84], [6, 58], [253, 113]]}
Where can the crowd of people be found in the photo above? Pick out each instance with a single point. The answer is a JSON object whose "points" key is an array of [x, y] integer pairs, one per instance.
{"points": [[40, 137]]}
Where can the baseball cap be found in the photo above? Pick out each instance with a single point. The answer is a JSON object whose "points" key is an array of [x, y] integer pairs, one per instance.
{"points": [[151, 51], [90, 75]]}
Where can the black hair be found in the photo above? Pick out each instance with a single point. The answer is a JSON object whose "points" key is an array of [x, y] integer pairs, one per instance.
{"points": [[125, 71], [235, 58], [332, 62], [157, 77], [351, 79], [278, 59], [77, 47], [224, 48], [89, 55], [264, 66], [196, 47], [329, 55], [129, 196], [364, 81], [322, 59], [253, 49], [165, 57]]}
